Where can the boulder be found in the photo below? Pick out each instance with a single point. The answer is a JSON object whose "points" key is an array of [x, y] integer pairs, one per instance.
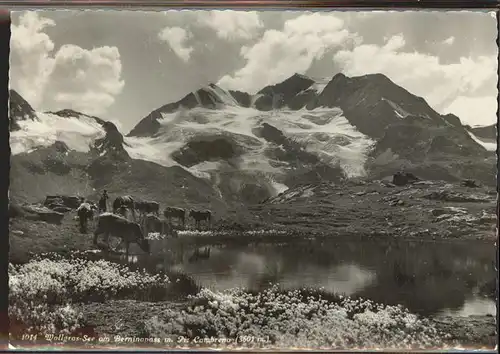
{"points": [[51, 217], [43, 213], [470, 183], [71, 202], [61, 209], [404, 178]]}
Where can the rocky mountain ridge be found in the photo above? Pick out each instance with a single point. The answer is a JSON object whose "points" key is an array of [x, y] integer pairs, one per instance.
{"points": [[407, 132], [19, 110], [297, 131]]}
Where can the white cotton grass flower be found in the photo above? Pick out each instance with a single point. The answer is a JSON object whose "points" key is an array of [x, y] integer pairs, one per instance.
{"points": [[208, 233], [285, 320], [40, 290]]}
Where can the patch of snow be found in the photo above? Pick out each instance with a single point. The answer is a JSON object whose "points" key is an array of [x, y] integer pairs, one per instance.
{"points": [[322, 139], [457, 218], [279, 187], [319, 84], [488, 146], [456, 210], [77, 132], [152, 149], [224, 96], [400, 112], [308, 193], [323, 131], [197, 97], [254, 99]]}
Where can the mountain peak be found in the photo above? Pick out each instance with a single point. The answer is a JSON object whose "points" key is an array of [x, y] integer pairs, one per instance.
{"points": [[373, 102], [210, 96], [378, 77], [19, 110], [69, 113], [280, 94], [294, 84], [300, 76], [112, 143]]}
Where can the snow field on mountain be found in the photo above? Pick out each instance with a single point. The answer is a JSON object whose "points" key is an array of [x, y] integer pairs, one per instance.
{"points": [[320, 84], [324, 132], [488, 146], [76, 132]]}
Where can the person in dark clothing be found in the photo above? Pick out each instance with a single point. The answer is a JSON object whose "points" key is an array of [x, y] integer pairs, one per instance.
{"points": [[103, 202]]}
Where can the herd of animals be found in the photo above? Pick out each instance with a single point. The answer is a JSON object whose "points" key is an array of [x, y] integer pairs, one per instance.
{"points": [[117, 223]]}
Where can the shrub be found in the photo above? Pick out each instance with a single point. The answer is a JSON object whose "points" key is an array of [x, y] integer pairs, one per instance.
{"points": [[299, 318], [41, 292]]}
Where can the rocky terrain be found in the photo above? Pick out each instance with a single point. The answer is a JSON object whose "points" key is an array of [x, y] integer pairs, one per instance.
{"points": [[423, 210]]}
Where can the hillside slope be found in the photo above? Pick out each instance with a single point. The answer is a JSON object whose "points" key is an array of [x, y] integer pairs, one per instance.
{"points": [[378, 209], [86, 162]]}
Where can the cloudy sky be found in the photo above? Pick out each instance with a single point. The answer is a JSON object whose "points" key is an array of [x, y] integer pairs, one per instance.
{"points": [[121, 65]]}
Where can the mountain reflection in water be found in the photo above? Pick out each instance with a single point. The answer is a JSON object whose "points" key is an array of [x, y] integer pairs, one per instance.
{"points": [[456, 278]]}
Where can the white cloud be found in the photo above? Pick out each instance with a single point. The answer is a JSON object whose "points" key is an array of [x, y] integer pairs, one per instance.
{"points": [[280, 54], [177, 37], [449, 40], [442, 85], [72, 77], [395, 43], [232, 25], [85, 80], [474, 110], [30, 60]]}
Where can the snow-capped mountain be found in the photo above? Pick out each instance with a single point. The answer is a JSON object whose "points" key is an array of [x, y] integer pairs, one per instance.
{"points": [[247, 147], [359, 124]]}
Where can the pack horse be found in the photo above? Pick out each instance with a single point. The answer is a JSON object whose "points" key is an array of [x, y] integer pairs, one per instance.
{"points": [[117, 226], [176, 213], [201, 215], [122, 204]]}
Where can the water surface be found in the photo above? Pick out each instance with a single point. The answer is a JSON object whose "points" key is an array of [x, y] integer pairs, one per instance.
{"points": [[456, 278]]}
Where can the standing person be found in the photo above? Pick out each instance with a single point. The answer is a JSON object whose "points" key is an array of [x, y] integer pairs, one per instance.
{"points": [[103, 202]]}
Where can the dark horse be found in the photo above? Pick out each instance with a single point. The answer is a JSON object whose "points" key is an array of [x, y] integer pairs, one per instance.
{"points": [[199, 216], [85, 213], [128, 231], [146, 207], [177, 213], [120, 204], [152, 223], [404, 178]]}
